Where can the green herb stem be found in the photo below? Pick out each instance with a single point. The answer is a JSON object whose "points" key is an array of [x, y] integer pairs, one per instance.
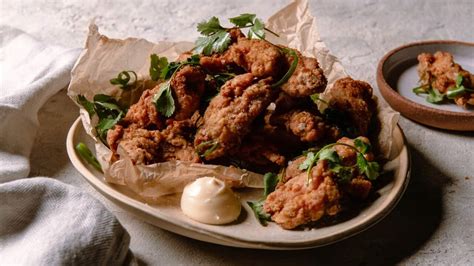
{"points": [[87, 155]]}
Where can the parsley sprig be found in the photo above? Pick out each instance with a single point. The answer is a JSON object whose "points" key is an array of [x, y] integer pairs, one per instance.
{"points": [[344, 173], [160, 69], [108, 111], [216, 38]]}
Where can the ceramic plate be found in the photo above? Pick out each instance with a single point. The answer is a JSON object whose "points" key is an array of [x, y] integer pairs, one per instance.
{"points": [[397, 75], [246, 232]]}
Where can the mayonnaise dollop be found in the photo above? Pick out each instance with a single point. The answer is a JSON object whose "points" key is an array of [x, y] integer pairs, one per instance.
{"points": [[208, 200]]}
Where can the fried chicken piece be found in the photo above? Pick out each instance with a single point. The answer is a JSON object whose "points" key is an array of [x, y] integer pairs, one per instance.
{"points": [[359, 187], [348, 155], [293, 168], [258, 57], [228, 118], [257, 152], [440, 72], [303, 124], [143, 113], [354, 98], [178, 143], [297, 202], [141, 145], [307, 79], [188, 85]]}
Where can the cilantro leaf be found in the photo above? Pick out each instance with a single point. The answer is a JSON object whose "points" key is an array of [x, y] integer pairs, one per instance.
{"points": [[124, 80], [329, 155], [310, 159], [89, 106], [210, 27], [243, 20], [362, 146], [216, 43], [163, 100], [270, 180], [257, 31], [343, 173], [370, 169], [158, 67], [434, 96], [260, 214]]}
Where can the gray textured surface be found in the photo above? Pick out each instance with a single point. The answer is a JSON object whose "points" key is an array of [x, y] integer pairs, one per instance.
{"points": [[433, 223]]}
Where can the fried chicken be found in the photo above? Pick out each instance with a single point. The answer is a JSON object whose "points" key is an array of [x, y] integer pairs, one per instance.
{"points": [[188, 85], [354, 99], [141, 145], [178, 143], [258, 57], [440, 72], [258, 152], [143, 114], [303, 124], [348, 155], [307, 79], [228, 118], [297, 202]]}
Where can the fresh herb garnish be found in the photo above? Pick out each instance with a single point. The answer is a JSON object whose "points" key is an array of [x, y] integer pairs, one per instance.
{"points": [[157, 67], [434, 96], [345, 173], [270, 181], [107, 109], [161, 69], [87, 155], [217, 38], [459, 89], [125, 79], [86, 104], [163, 100]]}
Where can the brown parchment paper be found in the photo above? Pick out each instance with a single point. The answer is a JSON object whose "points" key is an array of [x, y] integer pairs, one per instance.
{"points": [[103, 58]]}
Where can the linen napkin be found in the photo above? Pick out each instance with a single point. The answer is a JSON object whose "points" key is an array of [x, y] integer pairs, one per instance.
{"points": [[43, 221]]}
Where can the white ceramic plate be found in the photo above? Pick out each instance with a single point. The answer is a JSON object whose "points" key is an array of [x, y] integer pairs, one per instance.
{"points": [[246, 232]]}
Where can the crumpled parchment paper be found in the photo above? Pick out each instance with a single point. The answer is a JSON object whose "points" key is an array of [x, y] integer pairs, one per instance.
{"points": [[103, 58]]}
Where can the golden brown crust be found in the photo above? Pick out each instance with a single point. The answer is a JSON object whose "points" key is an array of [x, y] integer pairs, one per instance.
{"points": [[307, 79], [229, 115]]}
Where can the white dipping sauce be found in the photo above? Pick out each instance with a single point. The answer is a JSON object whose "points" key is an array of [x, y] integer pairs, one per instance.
{"points": [[208, 200]]}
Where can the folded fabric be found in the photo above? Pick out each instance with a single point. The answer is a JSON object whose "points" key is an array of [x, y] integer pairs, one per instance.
{"points": [[46, 222], [42, 221], [30, 73]]}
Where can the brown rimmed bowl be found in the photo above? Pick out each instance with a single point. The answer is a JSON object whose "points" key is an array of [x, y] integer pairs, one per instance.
{"points": [[397, 76]]}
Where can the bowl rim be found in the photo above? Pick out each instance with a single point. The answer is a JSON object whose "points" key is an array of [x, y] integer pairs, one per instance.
{"points": [[390, 93]]}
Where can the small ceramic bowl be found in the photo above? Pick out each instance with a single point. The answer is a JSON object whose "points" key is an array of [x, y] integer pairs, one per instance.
{"points": [[397, 75]]}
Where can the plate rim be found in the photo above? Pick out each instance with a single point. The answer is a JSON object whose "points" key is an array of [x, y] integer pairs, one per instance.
{"points": [[212, 237], [390, 94]]}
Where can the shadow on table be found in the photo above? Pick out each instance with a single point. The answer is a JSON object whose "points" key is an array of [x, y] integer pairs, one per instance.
{"points": [[400, 235]]}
